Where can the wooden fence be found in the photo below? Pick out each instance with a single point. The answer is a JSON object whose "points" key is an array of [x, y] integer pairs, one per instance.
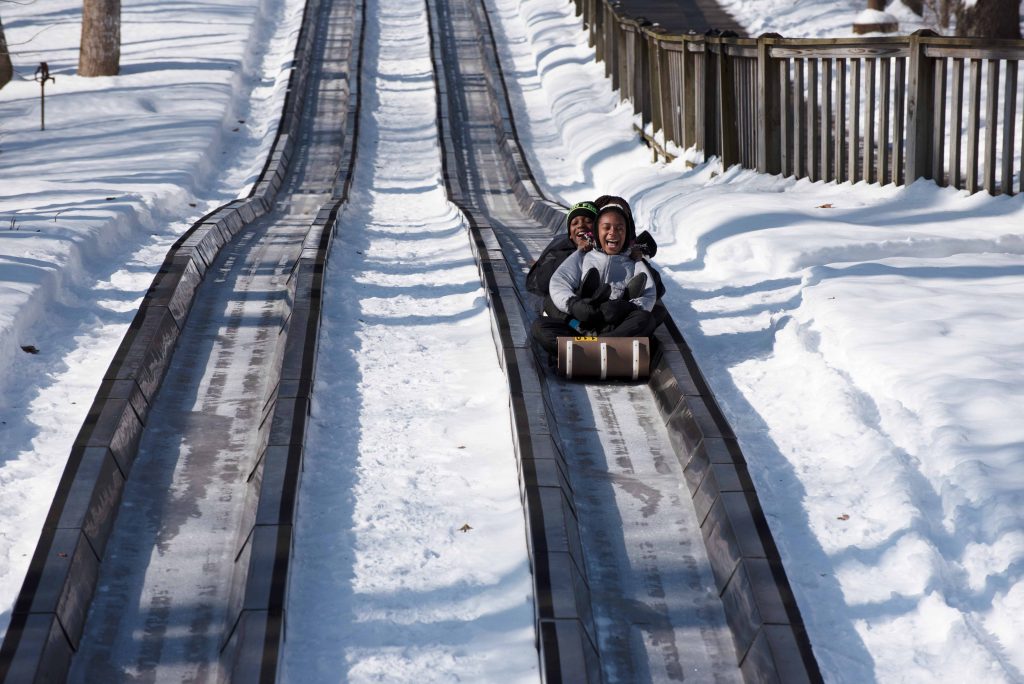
{"points": [[847, 109]]}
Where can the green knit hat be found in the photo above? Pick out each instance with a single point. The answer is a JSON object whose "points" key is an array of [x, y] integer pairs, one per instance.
{"points": [[581, 209]]}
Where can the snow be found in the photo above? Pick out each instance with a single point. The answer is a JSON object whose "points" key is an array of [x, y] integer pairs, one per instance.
{"points": [[90, 206], [832, 19], [410, 452], [811, 18], [870, 16], [864, 343], [863, 340]]}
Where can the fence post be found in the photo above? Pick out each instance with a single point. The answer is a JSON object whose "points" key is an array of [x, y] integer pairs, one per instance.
{"points": [[920, 115], [657, 96], [666, 103], [643, 80], [769, 121], [590, 19], [728, 127], [689, 98], [707, 91], [607, 42], [627, 60]]}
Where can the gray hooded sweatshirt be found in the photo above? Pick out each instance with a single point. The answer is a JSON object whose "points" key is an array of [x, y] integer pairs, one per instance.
{"points": [[616, 270]]}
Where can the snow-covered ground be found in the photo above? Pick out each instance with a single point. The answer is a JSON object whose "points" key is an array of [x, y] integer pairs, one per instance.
{"points": [[832, 19], [90, 206], [410, 550], [864, 340], [814, 19], [865, 344]]}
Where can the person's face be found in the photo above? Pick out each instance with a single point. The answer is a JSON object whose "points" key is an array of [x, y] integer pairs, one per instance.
{"points": [[611, 232], [579, 227]]}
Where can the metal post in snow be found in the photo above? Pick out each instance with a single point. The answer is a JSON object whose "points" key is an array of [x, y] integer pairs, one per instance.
{"points": [[42, 75]]}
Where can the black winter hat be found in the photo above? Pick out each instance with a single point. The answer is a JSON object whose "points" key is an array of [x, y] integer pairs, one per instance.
{"points": [[580, 209]]}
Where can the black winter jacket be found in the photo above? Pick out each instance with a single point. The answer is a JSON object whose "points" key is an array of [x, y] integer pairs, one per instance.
{"points": [[539, 276]]}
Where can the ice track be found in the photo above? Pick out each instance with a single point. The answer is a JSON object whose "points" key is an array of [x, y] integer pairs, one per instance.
{"points": [[167, 552]]}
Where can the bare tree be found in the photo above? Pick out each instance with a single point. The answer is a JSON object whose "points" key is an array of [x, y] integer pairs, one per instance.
{"points": [[989, 19], [6, 69], [100, 52], [944, 11]]}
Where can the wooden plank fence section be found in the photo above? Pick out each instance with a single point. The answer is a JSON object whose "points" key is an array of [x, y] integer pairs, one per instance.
{"points": [[1009, 124], [885, 110]]}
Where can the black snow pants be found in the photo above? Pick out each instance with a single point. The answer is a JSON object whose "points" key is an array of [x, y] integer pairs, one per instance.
{"points": [[546, 330]]}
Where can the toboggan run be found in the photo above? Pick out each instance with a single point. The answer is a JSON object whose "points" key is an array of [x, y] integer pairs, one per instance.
{"points": [[650, 557]]}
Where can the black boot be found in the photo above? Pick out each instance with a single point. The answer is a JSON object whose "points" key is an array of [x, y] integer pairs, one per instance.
{"points": [[635, 287], [589, 284]]}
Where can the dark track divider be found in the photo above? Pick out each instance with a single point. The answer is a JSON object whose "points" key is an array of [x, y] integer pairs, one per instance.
{"points": [[566, 638], [770, 638], [49, 613], [252, 651]]}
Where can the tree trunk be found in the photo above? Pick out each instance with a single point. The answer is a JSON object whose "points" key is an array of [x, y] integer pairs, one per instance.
{"points": [[989, 19], [945, 12], [6, 70], [100, 52]]}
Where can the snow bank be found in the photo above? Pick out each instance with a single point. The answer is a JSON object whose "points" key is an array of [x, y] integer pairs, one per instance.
{"points": [[90, 206]]}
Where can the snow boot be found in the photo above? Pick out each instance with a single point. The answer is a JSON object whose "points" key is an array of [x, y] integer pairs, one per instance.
{"points": [[602, 294], [588, 284], [635, 287]]}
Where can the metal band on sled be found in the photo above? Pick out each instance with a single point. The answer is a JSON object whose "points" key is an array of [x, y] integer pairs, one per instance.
{"points": [[604, 358]]}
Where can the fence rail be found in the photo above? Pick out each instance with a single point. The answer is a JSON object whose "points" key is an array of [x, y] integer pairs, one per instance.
{"points": [[881, 110]]}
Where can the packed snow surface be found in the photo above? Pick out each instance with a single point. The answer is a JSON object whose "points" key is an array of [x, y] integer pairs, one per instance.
{"points": [[410, 552], [863, 340]]}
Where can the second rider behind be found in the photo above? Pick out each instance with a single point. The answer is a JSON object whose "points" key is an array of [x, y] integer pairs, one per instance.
{"points": [[602, 290], [580, 225]]}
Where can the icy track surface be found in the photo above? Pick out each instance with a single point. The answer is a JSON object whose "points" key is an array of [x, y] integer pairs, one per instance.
{"points": [[410, 553], [865, 343]]}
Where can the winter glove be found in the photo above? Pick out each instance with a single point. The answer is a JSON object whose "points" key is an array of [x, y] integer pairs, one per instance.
{"points": [[615, 311], [645, 242], [583, 310]]}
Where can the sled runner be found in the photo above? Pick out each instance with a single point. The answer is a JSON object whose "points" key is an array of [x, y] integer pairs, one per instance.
{"points": [[604, 358]]}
